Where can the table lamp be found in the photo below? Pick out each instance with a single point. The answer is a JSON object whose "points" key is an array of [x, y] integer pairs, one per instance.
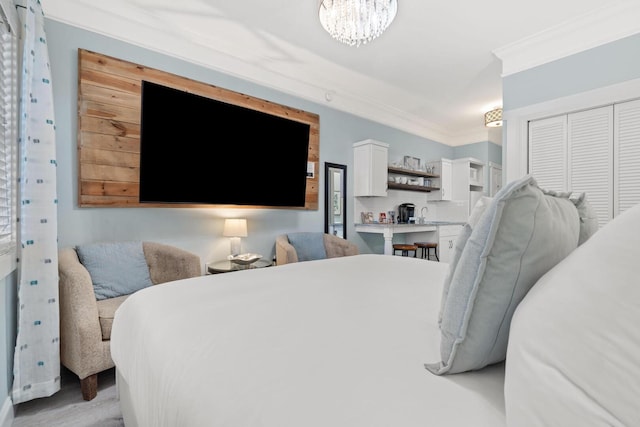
{"points": [[235, 229]]}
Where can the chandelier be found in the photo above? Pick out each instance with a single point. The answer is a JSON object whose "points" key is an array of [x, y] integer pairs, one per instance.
{"points": [[356, 22]]}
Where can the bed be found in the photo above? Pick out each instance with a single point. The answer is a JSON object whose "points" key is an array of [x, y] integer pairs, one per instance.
{"points": [[355, 341]]}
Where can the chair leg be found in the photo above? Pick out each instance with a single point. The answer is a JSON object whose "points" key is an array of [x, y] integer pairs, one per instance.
{"points": [[89, 387]]}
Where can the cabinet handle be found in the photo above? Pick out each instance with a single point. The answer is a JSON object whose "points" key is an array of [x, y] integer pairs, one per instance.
{"points": [[450, 244]]}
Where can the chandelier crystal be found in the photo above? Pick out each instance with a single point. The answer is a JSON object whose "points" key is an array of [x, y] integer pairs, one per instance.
{"points": [[356, 22]]}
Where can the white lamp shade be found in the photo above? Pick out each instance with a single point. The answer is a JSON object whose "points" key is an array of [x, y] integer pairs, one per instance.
{"points": [[235, 228]]}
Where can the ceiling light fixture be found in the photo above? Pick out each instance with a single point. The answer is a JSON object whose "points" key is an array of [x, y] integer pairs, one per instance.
{"points": [[356, 22], [493, 118]]}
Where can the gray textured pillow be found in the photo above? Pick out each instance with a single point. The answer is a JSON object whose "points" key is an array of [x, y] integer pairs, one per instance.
{"points": [[522, 234], [308, 245], [116, 268], [478, 210]]}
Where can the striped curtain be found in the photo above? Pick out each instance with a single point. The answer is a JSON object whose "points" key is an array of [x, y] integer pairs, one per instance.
{"points": [[37, 354]]}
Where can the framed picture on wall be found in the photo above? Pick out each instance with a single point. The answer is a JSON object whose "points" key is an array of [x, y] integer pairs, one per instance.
{"points": [[412, 163], [337, 208], [367, 217]]}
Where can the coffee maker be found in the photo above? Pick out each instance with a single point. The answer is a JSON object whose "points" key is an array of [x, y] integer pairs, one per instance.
{"points": [[406, 213]]}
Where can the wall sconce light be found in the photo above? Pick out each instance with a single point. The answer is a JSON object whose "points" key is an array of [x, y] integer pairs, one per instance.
{"points": [[493, 118], [235, 229]]}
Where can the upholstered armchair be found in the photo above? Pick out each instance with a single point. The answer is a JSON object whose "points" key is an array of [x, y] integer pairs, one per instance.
{"points": [[85, 321], [305, 246]]}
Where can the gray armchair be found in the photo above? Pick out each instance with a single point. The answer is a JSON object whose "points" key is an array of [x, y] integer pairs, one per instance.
{"points": [[85, 323]]}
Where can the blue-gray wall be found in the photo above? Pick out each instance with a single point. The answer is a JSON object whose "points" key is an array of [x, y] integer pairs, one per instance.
{"points": [[594, 68]]}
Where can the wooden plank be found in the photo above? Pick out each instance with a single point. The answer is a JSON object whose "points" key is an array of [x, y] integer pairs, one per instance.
{"points": [[109, 91], [109, 96], [98, 156], [110, 142], [109, 188], [94, 172], [110, 81], [108, 127], [111, 112], [108, 201]]}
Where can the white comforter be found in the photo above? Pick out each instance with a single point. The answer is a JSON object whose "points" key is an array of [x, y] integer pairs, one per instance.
{"points": [[336, 342]]}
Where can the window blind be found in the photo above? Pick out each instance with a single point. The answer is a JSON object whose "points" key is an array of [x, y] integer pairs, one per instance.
{"points": [[8, 135]]}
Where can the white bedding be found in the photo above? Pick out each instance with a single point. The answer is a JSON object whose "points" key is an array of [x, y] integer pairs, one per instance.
{"points": [[336, 342]]}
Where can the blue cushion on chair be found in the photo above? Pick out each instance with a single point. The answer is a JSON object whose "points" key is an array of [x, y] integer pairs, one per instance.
{"points": [[116, 269], [308, 246]]}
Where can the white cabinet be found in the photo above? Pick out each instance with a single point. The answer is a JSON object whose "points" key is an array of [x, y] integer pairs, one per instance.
{"points": [[593, 151], [370, 162], [447, 235], [468, 180], [442, 168]]}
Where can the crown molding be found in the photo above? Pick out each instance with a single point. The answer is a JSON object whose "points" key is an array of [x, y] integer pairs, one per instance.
{"points": [[136, 29], [601, 26], [470, 137]]}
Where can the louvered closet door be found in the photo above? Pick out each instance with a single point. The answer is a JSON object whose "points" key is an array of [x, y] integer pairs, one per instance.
{"points": [[590, 167], [626, 156], [548, 152]]}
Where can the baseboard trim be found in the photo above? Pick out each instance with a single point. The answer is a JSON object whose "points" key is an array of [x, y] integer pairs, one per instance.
{"points": [[6, 413]]}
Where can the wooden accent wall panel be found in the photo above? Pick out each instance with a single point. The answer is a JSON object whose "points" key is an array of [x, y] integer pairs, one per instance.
{"points": [[109, 94]]}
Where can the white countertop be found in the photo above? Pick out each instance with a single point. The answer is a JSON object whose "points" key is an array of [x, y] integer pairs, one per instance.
{"points": [[389, 229], [394, 228], [400, 227]]}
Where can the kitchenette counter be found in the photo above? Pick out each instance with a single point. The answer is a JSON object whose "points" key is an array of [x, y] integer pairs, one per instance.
{"points": [[389, 229]]}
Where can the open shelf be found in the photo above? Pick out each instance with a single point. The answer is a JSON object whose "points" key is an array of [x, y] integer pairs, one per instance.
{"points": [[409, 187], [410, 172], [396, 186]]}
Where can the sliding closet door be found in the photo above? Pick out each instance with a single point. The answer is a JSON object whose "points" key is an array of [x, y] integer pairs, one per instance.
{"points": [[626, 155], [548, 152], [590, 153]]}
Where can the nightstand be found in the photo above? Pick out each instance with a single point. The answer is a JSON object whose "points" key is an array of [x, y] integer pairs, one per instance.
{"points": [[226, 266]]}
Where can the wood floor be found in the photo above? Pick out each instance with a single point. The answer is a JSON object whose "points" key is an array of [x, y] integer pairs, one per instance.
{"points": [[66, 408]]}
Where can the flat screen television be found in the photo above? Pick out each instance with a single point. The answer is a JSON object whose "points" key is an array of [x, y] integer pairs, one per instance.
{"points": [[198, 150]]}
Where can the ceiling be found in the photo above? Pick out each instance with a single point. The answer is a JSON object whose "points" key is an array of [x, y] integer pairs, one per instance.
{"points": [[433, 73]]}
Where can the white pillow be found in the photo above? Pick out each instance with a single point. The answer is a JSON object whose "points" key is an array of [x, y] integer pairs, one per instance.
{"points": [[574, 346], [521, 235]]}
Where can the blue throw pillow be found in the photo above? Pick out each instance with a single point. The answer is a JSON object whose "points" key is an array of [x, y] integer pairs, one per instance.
{"points": [[116, 269], [308, 246], [522, 234]]}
